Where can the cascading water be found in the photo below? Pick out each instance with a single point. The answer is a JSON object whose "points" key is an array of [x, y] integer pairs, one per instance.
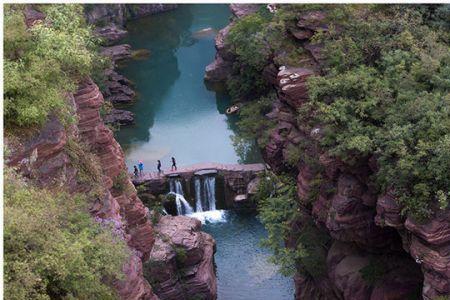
{"points": [[205, 200], [183, 207], [205, 194]]}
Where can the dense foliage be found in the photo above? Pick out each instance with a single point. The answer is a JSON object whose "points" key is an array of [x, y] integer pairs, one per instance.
{"points": [[281, 214], [386, 92], [43, 62], [254, 41], [53, 248]]}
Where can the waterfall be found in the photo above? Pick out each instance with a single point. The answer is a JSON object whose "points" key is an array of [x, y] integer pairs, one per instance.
{"points": [[205, 194], [210, 192], [183, 207], [198, 195]]}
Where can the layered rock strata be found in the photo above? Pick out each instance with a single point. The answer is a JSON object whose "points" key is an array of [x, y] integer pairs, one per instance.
{"points": [[364, 225], [50, 159]]}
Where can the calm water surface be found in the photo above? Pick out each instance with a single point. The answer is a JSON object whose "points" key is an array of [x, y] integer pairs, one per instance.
{"points": [[243, 272], [177, 116]]}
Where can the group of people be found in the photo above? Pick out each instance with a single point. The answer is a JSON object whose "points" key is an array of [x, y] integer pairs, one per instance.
{"points": [[139, 169]]}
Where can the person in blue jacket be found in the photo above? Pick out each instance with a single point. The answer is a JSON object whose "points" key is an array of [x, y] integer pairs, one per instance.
{"points": [[141, 167]]}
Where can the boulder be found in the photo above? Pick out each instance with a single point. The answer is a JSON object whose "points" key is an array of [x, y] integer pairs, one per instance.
{"points": [[180, 266], [292, 84]]}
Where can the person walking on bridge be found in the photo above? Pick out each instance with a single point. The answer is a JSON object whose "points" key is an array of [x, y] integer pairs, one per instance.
{"points": [[174, 164], [159, 167], [141, 167]]}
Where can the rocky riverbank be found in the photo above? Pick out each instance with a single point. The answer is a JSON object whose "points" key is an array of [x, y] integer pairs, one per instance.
{"points": [[364, 226], [109, 21]]}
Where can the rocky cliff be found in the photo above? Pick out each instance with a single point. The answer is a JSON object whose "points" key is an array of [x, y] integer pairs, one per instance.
{"points": [[61, 156], [53, 157], [82, 156], [118, 14], [365, 227]]}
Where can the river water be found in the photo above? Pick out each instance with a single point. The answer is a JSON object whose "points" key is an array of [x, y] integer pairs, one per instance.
{"points": [[176, 115]]}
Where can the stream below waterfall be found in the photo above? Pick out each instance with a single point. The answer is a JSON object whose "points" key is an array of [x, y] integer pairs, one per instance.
{"points": [[176, 115]]}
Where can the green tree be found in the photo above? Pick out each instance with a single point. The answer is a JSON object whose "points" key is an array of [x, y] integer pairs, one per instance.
{"points": [[44, 62], [53, 249]]}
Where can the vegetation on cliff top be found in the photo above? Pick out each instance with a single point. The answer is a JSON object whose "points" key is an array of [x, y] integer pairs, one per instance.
{"points": [[384, 90], [53, 248], [44, 62]]}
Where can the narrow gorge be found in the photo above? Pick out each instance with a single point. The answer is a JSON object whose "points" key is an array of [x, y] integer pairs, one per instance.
{"points": [[311, 145]]}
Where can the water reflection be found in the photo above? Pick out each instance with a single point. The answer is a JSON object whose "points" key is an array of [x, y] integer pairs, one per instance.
{"points": [[176, 115]]}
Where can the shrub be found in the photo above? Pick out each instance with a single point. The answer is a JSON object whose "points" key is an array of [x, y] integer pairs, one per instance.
{"points": [[120, 182], [180, 255], [44, 62], [53, 249], [386, 93], [277, 208]]}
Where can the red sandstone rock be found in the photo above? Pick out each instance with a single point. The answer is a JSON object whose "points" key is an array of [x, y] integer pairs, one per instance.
{"points": [[292, 82], [117, 52], [181, 262], [242, 10], [138, 230], [313, 20]]}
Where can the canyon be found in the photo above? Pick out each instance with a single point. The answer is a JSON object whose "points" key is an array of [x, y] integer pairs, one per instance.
{"points": [[364, 226], [202, 243], [57, 156]]}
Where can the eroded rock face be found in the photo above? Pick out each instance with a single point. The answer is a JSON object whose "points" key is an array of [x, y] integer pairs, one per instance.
{"points": [[138, 230], [364, 225], [220, 69], [48, 159], [241, 10], [110, 33], [118, 52], [120, 13], [32, 16], [181, 263], [120, 117], [117, 88]]}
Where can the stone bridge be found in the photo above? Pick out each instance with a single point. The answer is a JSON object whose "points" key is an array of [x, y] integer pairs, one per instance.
{"points": [[235, 183]]}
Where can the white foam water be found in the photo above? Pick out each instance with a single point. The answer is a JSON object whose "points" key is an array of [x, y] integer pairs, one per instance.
{"points": [[210, 216]]}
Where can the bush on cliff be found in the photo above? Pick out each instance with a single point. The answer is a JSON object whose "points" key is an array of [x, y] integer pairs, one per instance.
{"points": [[386, 92], [53, 249], [43, 62], [296, 243]]}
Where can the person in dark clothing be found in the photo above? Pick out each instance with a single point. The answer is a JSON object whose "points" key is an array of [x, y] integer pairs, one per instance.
{"points": [[174, 164], [136, 172], [159, 166]]}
